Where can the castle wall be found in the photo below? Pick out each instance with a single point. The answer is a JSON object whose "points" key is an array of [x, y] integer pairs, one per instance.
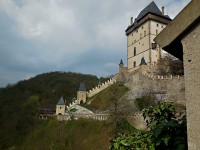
{"points": [[100, 88], [170, 88], [191, 51]]}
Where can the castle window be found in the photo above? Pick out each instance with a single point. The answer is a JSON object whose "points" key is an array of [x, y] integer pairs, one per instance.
{"points": [[156, 32], [134, 51], [142, 27], [132, 34], [161, 26], [60, 107], [134, 64], [137, 31], [144, 33], [157, 25], [140, 35]]}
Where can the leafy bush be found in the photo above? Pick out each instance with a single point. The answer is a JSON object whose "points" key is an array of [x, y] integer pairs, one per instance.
{"points": [[165, 131], [73, 110]]}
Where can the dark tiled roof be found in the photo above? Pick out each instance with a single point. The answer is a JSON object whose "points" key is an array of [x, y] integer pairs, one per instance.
{"points": [[167, 16], [143, 62], [151, 8], [61, 101], [82, 87], [121, 62]]}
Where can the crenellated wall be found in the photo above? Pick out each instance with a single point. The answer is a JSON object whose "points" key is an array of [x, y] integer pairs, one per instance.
{"points": [[66, 117], [100, 88], [165, 88], [136, 119]]}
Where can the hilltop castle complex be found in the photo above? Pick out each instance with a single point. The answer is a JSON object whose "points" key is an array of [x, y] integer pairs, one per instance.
{"points": [[181, 39], [140, 74]]}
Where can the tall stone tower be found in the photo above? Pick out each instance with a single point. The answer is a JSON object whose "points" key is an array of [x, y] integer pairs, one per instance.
{"points": [[60, 107], [140, 34], [81, 94]]}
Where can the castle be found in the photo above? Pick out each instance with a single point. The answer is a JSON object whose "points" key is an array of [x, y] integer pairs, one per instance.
{"points": [[140, 74], [181, 39]]}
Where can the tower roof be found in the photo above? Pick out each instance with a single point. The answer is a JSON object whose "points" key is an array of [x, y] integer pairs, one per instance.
{"points": [[61, 101], [121, 62], [82, 87], [143, 62], [157, 15], [151, 8]]}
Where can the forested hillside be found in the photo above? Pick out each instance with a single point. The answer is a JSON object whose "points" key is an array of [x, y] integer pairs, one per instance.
{"points": [[19, 103]]}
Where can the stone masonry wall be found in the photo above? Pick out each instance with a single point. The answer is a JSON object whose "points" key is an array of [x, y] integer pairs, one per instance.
{"points": [[169, 88], [191, 51]]}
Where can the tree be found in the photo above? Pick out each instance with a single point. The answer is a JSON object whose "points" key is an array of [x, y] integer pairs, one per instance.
{"points": [[169, 65]]}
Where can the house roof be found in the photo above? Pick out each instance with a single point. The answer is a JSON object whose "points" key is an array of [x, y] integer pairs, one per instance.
{"points": [[61, 101], [82, 87], [170, 38], [143, 62]]}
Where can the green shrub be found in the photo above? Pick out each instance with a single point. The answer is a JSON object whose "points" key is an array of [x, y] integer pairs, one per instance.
{"points": [[165, 132], [73, 110]]}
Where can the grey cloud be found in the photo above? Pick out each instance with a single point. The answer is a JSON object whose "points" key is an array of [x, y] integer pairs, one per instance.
{"points": [[70, 35]]}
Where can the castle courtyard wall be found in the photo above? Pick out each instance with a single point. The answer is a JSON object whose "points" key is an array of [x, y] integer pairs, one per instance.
{"points": [[191, 49], [165, 88]]}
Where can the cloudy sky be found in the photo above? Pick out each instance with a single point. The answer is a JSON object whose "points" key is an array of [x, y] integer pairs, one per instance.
{"points": [[86, 36]]}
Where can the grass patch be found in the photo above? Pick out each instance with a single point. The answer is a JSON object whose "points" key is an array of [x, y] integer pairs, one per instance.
{"points": [[80, 134], [106, 98], [73, 110]]}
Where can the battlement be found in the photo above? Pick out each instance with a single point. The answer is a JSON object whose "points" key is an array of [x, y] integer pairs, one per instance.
{"points": [[71, 104], [100, 117], [100, 88], [160, 77]]}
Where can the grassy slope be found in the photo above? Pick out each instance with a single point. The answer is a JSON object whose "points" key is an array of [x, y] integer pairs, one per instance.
{"points": [[72, 135], [106, 99], [18, 103], [19, 127]]}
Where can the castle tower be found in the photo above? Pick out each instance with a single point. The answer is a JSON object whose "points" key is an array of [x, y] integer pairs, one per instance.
{"points": [[81, 94], [140, 34], [60, 107]]}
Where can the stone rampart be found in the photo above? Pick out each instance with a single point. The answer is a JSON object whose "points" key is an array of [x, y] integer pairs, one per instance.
{"points": [[100, 88], [66, 117], [136, 119], [165, 88]]}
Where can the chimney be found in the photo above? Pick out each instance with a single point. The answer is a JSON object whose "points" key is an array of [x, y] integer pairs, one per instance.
{"points": [[131, 20], [163, 10]]}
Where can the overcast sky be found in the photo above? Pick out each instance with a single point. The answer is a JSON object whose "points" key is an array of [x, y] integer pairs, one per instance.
{"points": [[86, 36]]}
